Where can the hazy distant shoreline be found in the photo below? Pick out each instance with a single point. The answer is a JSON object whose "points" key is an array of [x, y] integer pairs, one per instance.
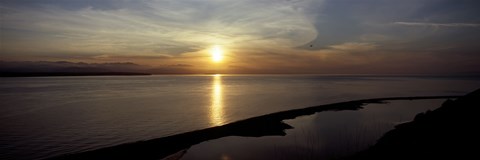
{"points": [[57, 74], [68, 74]]}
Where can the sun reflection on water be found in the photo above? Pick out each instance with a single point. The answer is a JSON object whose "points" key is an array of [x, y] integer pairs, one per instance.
{"points": [[216, 108]]}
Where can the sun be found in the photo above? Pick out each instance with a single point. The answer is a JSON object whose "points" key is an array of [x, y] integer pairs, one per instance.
{"points": [[217, 53]]}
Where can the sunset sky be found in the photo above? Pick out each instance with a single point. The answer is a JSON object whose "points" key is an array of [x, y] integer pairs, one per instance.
{"points": [[254, 36]]}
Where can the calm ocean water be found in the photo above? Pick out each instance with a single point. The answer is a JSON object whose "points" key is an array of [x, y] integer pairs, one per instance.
{"points": [[47, 116]]}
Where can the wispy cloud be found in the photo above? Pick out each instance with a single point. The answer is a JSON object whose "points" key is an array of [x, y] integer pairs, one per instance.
{"points": [[268, 35], [156, 27], [436, 25], [353, 46]]}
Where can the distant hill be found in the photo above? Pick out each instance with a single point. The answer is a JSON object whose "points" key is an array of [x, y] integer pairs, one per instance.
{"points": [[64, 68], [51, 74]]}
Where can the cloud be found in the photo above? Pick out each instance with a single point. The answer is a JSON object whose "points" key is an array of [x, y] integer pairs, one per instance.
{"points": [[436, 25], [313, 36], [152, 26], [354, 47], [131, 57]]}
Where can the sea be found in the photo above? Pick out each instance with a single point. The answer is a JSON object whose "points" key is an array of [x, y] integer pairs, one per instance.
{"points": [[43, 117]]}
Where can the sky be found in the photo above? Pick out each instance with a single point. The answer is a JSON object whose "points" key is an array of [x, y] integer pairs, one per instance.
{"points": [[256, 36]]}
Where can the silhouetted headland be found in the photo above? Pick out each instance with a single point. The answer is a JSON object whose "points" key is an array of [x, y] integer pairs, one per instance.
{"points": [[266, 125], [449, 132], [51, 74]]}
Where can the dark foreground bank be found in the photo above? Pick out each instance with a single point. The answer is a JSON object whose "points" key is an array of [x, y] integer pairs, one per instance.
{"points": [[449, 132], [266, 125]]}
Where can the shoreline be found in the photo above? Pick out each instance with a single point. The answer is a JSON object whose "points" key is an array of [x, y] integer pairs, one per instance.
{"points": [[447, 132], [265, 125]]}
